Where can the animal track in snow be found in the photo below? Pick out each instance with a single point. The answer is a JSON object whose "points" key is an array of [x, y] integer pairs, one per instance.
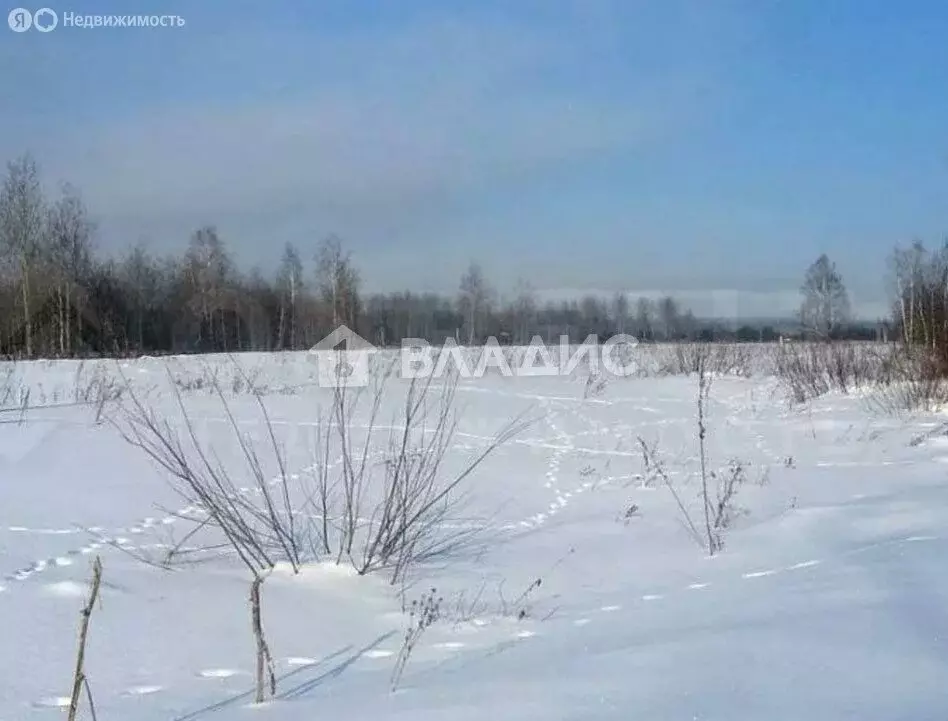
{"points": [[582, 620], [65, 559], [300, 661], [142, 690], [378, 653], [804, 564], [103, 538], [759, 574], [811, 563], [219, 673]]}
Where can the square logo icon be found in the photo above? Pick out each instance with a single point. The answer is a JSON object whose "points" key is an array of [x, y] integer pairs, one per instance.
{"points": [[342, 359]]}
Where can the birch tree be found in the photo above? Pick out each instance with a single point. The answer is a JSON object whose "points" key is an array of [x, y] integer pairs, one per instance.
{"points": [[825, 304], [208, 268], [22, 215], [70, 247], [524, 310], [289, 286], [338, 282], [473, 300]]}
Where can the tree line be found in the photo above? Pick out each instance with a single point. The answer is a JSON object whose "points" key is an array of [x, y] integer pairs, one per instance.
{"points": [[60, 297]]}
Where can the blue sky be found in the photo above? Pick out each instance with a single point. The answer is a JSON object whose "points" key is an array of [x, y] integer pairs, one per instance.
{"points": [[687, 147]]}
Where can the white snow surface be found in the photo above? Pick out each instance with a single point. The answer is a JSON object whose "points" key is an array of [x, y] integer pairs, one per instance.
{"points": [[829, 600]]}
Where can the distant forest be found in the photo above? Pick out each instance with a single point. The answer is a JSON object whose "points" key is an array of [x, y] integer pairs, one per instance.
{"points": [[60, 298]]}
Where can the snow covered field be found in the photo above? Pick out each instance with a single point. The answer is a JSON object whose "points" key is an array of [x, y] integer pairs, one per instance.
{"points": [[829, 600]]}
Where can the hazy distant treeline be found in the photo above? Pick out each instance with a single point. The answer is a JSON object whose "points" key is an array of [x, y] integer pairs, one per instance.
{"points": [[59, 297]]}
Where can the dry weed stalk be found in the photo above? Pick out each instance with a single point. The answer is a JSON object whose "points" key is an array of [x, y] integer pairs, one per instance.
{"points": [[79, 680]]}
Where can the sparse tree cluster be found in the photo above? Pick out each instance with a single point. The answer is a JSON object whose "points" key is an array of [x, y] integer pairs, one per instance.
{"points": [[920, 288]]}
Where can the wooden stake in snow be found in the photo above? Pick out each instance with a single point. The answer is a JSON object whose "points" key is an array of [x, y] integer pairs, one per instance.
{"points": [[264, 659], [79, 677]]}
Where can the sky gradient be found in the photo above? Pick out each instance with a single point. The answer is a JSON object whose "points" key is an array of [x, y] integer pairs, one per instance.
{"points": [[708, 148]]}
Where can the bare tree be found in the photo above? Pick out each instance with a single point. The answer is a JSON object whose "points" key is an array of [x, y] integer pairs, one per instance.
{"points": [[70, 246], [208, 268], [473, 300], [905, 265], [524, 310], [825, 301], [644, 317], [141, 278], [338, 282], [669, 317], [22, 215], [289, 285], [595, 316], [620, 311]]}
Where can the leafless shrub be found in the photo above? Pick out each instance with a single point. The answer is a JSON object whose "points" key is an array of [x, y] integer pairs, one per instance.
{"points": [[374, 516], [685, 358], [914, 380], [810, 370], [97, 391], [392, 514], [724, 510], [193, 383], [704, 390], [691, 357], [519, 607], [422, 613], [467, 606], [14, 397], [595, 385], [261, 532], [900, 377], [650, 474], [8, 386]]}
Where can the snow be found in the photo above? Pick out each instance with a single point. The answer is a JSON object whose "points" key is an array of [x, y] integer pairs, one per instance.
{"points": [[828, 601]]}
